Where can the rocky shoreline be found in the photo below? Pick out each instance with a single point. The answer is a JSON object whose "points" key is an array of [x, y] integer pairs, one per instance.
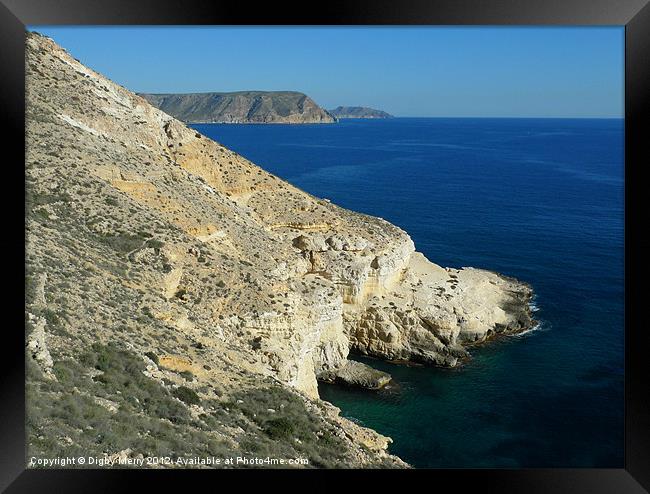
{"points": [[357, 374]]}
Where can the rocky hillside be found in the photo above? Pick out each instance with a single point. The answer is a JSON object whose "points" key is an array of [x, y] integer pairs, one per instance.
{"points": [[181, 301], [241, 107], [358, 112]]}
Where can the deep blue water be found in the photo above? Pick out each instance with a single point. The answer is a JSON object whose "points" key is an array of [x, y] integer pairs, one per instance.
{"points": [[538, 199]]}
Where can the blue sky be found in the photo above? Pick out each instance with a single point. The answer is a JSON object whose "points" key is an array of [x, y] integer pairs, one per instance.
{"points": [[407, 71]]}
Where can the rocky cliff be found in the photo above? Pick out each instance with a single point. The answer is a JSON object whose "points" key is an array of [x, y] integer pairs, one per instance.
{"points": [[241, 107], [176, 290], [358, 112]]}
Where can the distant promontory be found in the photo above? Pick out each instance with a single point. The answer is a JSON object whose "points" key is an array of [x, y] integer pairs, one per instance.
{"points": [[241, 107], [358, 112]]}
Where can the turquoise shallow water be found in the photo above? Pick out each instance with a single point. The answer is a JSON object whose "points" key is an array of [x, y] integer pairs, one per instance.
{"points": [[538, 199]]}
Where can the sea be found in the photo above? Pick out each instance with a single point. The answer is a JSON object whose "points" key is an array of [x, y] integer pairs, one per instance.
{"points": [[538, 199]]}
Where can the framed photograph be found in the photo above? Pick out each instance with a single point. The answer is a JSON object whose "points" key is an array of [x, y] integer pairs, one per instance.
{"points": [[380, 240]]}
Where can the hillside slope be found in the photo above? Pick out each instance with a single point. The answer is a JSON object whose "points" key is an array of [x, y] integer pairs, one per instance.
{"points": [[241, 107], [182, 301]]}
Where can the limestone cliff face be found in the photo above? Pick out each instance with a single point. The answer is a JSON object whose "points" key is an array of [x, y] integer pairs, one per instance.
{"points": [[241, 107], [143, 231]]}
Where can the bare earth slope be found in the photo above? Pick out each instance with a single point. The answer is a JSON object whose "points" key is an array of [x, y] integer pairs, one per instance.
{"points": [[241, 107], [188, 299]]}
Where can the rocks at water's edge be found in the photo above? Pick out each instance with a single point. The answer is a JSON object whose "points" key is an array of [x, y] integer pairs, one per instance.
{"points": [[357, 374]]}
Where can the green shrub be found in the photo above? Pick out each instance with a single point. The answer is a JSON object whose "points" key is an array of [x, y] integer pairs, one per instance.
{"points": [[280, 428], [123, 243], [186, 395], [155, 244]]}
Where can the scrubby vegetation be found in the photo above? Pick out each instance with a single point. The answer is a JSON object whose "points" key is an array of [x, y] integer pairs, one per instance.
{"points": [[116, 406], [286, 424], [186, 395]]}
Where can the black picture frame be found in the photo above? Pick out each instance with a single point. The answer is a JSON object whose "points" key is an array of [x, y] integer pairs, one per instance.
{"points": [[633, 14]]}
